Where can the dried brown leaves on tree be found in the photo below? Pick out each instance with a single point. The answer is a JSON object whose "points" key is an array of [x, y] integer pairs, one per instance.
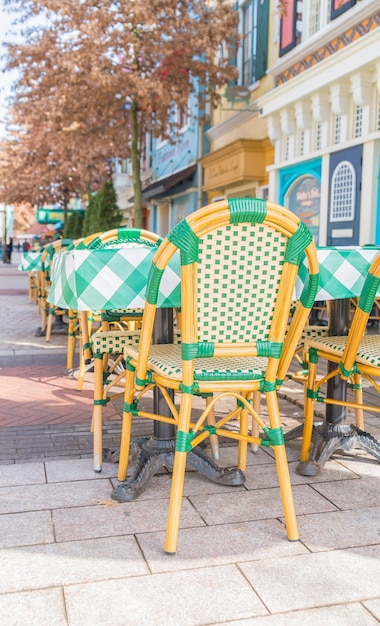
{"points": [[96, 76]]}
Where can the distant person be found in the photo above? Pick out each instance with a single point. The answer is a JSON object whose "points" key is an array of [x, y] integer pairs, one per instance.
{"points": [[9, 249], [25, 246]]}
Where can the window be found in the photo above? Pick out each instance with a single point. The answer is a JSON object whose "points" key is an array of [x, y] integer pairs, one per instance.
{"points": [[337, 129], [255, 17], [340, 6], [302, 143], [182, 116], [318, 136], [319, 15], [287, 148], [358, 126], [343, 193], [288, 27]]}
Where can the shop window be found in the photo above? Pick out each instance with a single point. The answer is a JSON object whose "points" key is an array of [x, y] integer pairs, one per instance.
{"points": [[255, 17], [343, 193]]}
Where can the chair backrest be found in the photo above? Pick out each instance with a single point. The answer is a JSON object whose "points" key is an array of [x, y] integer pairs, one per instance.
{"points": [[239, 263], [362, 313], [120, 236]]}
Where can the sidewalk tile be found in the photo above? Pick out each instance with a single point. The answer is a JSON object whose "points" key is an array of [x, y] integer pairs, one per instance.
{"points": [[312, 580], [187, 598], [255, 505], [23, 529], [338, 615], [346, 529], [31, 474], [111, 519], [68, 563], [53, 496], [34, 608], [226, 543]]}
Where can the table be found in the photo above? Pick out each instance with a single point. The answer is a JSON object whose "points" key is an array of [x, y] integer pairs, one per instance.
{"points": [[116, 278], [30, 262]]}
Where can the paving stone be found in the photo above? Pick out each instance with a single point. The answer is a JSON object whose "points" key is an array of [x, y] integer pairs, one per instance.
{"points": [[78, 469], [34, 473], [338, 615], [50, 565], [44, 607], [226, 543], [23, 529], [111, 519], [175, 599], [314, 580], [55, 495], [346, 529], [362, 493], [374, 607], [258, 504]]}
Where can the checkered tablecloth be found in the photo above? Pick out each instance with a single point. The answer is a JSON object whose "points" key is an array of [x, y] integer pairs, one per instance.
{"points": [[30, 262], [112, 278], [116, 278], [342, 271]]}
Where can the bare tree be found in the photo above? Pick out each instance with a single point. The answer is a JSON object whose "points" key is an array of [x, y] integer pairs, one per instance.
{"points": [[95, 76]]}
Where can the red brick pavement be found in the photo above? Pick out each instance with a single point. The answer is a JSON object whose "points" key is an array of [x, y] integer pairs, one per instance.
{"points": [[36, 395]]}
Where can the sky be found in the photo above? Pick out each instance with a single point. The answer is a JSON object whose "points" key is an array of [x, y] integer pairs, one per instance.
{"points": [[7, 78]]}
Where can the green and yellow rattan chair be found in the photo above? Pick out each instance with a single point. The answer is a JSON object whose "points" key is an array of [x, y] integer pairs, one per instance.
{"points": [[356, 356], [239, 262], [49, 312], [117, 329]]}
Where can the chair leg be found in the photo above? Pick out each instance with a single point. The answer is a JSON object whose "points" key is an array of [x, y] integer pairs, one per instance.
{"points": [[309, 413], [49, 324], [358, 397], [85, 352], [97, 414], [243, 445], [178, 479], [214, 441], [126, 427], [71, 339], [283, 471], [256, 398]]}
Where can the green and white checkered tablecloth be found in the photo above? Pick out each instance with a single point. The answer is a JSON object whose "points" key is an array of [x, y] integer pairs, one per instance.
{"points": [[116, 278], [112, 278], [30, 262], [342, 271]]}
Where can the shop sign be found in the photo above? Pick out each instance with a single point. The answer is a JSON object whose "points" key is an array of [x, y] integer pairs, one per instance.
{"points": [[305, 201]]}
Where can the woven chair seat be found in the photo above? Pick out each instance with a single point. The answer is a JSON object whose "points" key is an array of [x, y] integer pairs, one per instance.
{"points": [[368, 353], [166, 360]]}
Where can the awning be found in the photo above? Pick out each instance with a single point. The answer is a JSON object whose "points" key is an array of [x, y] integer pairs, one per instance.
{"points": [[160, 186]]}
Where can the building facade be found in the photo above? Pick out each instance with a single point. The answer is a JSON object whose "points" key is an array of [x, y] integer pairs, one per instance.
{"points": [[323, 118]]}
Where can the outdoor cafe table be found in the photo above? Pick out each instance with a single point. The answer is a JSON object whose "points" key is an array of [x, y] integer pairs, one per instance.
{"points": [[114, 278], [30, 262]]}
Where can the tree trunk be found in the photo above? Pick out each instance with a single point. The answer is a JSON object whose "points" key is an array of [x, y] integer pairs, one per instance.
{"points": [[136, 168]]}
